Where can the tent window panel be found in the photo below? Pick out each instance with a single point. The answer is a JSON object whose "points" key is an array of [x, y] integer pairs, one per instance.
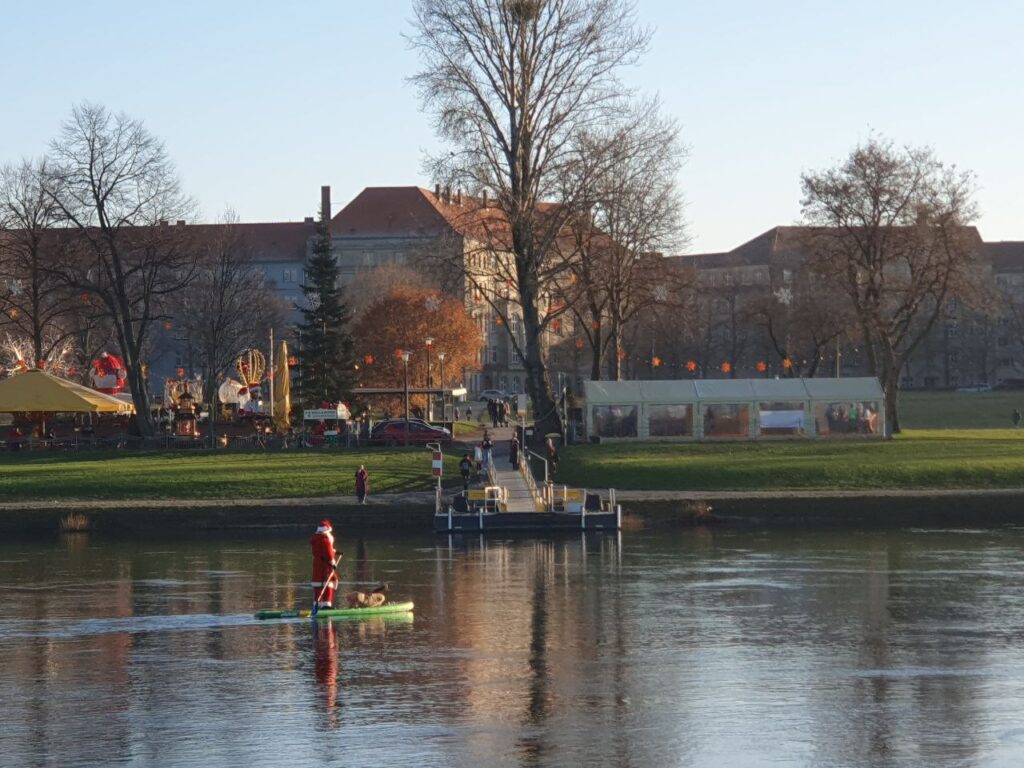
{"points": [[782, 418], [670, 420], [727, 420], [847, 418], [615, 420]]}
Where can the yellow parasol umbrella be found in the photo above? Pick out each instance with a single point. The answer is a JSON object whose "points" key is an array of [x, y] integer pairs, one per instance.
{"points": [[282, 390], [36, 391]]}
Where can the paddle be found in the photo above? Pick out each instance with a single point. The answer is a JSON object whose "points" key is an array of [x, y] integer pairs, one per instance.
{"points": [[327, 583]]}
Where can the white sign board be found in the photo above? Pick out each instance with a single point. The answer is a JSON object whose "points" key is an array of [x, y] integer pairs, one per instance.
{"points": [[521, 405], [326, 414]]}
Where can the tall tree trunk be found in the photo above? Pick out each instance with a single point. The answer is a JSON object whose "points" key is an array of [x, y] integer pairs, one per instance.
{"points": [[595, 348], [545, 414]]}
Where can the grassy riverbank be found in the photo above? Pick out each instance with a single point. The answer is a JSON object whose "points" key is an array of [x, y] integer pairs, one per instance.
{"points": [[916, 459], [959, 410], [220, 475]]}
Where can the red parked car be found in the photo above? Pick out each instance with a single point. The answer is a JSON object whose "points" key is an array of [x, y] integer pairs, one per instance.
{"points": [[393, 433]]}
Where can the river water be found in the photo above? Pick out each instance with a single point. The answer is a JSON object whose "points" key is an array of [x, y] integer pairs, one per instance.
{"points": [[690, 647]]}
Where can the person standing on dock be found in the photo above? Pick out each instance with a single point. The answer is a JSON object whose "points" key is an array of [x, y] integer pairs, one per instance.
{"points": [[362, 483], [325, 565], [486, 445], [513, 452], [465, 467], [552, 459]]}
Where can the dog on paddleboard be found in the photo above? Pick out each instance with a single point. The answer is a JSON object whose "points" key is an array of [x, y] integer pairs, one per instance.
{"points": [[377, 597]]}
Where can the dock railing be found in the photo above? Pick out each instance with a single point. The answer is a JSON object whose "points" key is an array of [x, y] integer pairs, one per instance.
{"points": [[541, 497]]}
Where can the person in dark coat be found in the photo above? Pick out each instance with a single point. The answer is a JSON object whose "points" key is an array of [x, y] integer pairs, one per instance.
{"points": [[465, 467], [513, 452], [486, 445], [362, 483]]}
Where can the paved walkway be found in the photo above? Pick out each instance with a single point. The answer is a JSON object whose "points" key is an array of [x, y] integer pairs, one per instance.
{"points": [[520, 499]]}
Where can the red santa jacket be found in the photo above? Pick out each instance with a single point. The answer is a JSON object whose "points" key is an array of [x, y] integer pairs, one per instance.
{"points": [[322, 544]]}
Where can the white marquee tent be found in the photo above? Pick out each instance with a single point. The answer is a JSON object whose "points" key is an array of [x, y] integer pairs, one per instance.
{"points": [[733, 408]]}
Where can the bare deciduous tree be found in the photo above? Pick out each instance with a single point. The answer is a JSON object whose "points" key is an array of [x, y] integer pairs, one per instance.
{"points": [[113, 184], [629, 214], [228, 307], [510, 83], [801, 319], [35, 303], [893, 228]]}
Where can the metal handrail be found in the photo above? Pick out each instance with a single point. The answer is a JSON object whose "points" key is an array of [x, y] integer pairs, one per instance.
{"points": [[539, 497]]}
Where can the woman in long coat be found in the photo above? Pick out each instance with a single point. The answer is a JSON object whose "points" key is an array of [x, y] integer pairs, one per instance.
{"points": [[362, 483]]}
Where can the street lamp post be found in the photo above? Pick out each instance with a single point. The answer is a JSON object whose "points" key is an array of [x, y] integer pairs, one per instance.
{"points": [[430, 409], [444, 403], [405, 364]]}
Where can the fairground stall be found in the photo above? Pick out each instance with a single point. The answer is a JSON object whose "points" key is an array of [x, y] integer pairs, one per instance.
{"points": [[738, 409]]}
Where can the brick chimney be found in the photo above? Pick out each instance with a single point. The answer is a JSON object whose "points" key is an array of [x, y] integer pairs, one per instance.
{"points": [[458, 196], [325, 203], [483, 197], [437, 191]]}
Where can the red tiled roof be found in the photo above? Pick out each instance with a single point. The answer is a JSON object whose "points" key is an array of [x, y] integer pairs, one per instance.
{"points": [[418, 212], [390, 212], [269, 241], [1005, 255], [777, 243]]}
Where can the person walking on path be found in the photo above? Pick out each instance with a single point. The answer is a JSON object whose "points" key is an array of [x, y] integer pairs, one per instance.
{"points": [[362, 483], [513, 452], [552, 458], [486, 445], [1016, 418], [325, 566], [465, 467]]}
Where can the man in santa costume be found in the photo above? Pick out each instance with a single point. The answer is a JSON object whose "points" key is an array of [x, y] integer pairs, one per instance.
{"points": [[325, 566]]}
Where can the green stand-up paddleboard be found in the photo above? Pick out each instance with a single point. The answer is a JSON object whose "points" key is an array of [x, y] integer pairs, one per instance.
{"points": [[336, 613]]}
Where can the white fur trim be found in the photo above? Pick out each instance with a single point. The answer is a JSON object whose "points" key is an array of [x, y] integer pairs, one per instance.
{"points": [[321, 529]]}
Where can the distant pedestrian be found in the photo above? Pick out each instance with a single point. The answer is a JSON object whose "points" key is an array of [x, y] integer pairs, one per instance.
{"points": [[465, 467], [1016, 418], [362, 483], [486, 445], [456, 413], [513, 453], [552, 458]]}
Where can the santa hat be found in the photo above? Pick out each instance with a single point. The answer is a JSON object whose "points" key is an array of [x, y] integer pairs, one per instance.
{"points": [[325, 526]]}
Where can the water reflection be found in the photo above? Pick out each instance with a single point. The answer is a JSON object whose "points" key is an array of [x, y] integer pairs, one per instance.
{"points": [[326, 665], [692, 647]]}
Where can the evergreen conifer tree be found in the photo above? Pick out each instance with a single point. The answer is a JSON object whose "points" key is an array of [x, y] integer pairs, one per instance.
{"points": [[327, 366]]}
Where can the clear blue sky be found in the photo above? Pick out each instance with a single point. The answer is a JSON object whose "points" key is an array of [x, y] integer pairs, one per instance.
{"points": [[260, 103]]}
